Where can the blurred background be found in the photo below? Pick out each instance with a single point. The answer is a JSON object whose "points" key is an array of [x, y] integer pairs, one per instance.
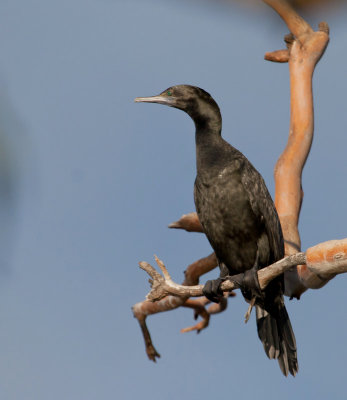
{"points": [[89, 182]]}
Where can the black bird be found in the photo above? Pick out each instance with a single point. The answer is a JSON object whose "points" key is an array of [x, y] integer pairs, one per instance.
{"points": [[239, 219]]}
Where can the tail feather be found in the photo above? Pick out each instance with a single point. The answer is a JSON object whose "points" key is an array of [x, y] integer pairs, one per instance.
{"points": [[278, 338]]}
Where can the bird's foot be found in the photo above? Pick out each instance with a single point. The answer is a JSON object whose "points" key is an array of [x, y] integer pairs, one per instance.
{"points": [[213, 291], [247, 282]]}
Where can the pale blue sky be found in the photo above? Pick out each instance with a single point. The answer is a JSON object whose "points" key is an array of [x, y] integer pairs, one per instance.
{"points": [[89, 182]]}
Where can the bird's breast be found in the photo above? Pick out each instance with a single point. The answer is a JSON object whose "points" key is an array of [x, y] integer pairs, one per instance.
{"points": [[229, 223]]}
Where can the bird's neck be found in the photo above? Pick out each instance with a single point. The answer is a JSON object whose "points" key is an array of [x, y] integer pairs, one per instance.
{"points": [[207, 136], [209, 144], [209, 148]]}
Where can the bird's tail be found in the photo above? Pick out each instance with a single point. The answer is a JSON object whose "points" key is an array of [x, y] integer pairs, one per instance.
{"points": [[277, 336]]}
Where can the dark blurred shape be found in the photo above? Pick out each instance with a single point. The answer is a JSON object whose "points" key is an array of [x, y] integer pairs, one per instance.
{"points": [[305, 5], [313, 3], [11, 131]]}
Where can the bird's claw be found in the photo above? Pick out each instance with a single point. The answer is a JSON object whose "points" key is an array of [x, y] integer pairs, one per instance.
{"points": [[213, 291], [247, 282]]}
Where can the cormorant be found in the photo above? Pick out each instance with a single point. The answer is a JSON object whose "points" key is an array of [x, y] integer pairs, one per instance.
{"points": [[239, 219]]}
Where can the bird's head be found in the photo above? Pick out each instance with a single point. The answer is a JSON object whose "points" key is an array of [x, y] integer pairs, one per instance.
{"points": [[194, 101]]}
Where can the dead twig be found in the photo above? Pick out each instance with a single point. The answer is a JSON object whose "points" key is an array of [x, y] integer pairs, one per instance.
{"points": [[189, 222], [193, 272], [325, 260], [163, 285], [199, 306]]}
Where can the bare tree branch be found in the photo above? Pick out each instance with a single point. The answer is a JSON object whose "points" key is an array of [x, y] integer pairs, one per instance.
{"points": [[297, 25], [199, 310], [189, 222], [163, 285], [192, 274], [325, 260], [199, 306], [145, 308], [304, 49], [150, 349], [198, 268], [312, 269]]}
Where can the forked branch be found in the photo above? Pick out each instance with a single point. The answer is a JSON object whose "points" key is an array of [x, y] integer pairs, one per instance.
{"points": [[163, 285], [325, 260], [304, 49]]}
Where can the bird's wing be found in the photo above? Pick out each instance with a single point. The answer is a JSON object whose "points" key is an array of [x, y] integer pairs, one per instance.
{"points": [[263, 206]]}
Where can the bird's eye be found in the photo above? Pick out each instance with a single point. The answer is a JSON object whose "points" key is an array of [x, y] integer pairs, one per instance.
{"points": [[169, 93]]}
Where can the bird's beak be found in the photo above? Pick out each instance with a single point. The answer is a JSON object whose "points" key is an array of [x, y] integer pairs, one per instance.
{"points": [[154, 99]]}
